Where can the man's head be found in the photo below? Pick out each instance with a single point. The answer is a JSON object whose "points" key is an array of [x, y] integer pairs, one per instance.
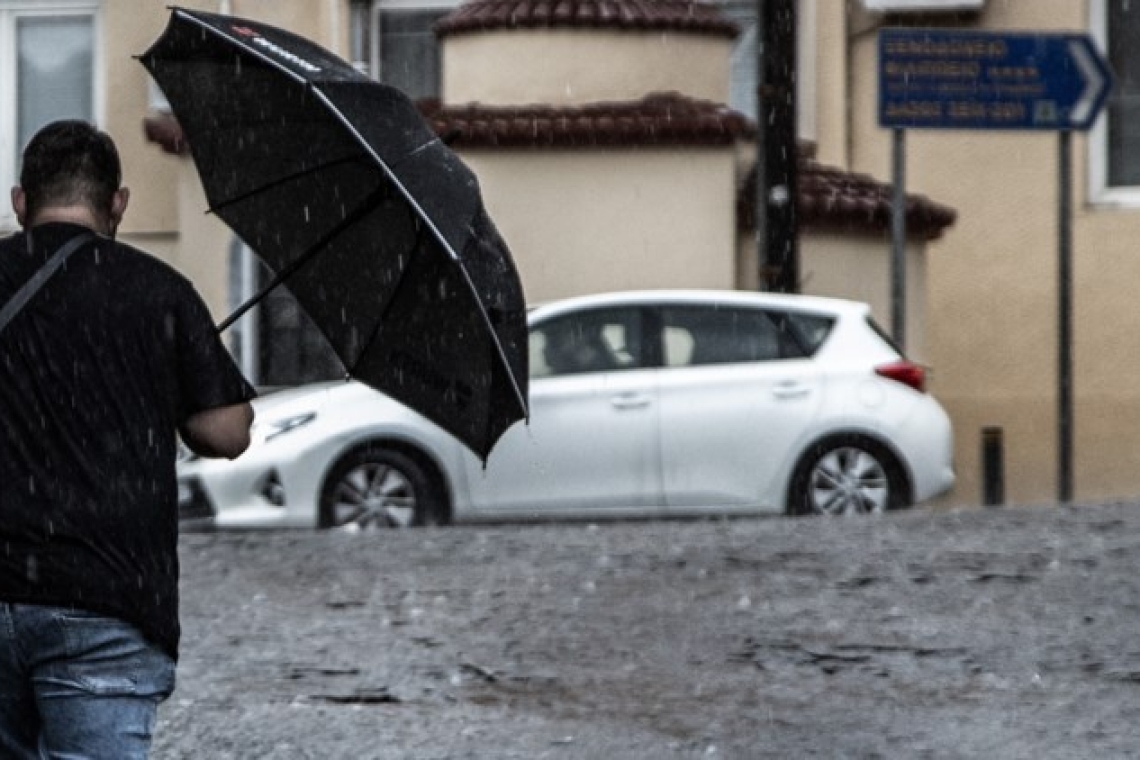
{"points": [[71, 172]]}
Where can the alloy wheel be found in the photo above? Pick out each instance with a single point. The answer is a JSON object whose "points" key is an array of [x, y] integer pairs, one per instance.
{"points": [[848, 480], [373, 495]]}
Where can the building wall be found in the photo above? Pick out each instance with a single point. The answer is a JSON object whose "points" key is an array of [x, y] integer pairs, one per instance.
{"points": [[571, 67], [129, 28], [594, 220], [992, 324], [829, 92], [845, 265]]}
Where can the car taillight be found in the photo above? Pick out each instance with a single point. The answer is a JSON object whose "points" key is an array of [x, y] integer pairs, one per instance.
{"points": [[908, 373]]}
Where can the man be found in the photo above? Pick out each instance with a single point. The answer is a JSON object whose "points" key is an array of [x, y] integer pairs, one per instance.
{"points": [[99, 370]]}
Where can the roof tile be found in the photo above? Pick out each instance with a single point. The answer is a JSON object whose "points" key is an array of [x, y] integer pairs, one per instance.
{"points": [[637, 15], [827, 197], [658, 119]]}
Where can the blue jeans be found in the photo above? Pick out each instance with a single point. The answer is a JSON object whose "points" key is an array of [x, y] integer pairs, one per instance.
{"points": [[77, 686]]}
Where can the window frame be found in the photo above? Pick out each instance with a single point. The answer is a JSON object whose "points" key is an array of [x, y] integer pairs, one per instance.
{"points": [[10, 12], [1100, 192], [380, 6], [785, 327], [629, 316]]}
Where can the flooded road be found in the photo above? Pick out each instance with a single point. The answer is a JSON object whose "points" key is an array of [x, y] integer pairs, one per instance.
{"points": [[975, 633]]}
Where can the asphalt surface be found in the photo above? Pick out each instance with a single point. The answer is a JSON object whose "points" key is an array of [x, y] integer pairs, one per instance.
{"points": [[979, 633]]}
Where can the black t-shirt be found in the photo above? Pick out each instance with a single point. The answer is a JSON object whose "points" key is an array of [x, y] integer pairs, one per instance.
{"points": [[96, 374]]}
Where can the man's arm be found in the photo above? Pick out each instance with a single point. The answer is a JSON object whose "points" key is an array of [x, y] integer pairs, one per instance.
{"points": [[219, 432]]}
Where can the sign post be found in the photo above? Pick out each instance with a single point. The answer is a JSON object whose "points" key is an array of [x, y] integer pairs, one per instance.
{"points": [[947, 79]]}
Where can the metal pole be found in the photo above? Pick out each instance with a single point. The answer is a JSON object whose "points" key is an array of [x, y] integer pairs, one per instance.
{"points": [[1064, 319], [993, 467], [777, 152], [760, 202], [898, 238]]}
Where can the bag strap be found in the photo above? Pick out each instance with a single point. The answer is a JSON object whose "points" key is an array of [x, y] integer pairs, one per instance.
{"points": [[36, 281]]}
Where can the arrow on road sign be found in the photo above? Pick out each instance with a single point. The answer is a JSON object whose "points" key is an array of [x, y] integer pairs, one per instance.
{"points": [[1094, 70]]}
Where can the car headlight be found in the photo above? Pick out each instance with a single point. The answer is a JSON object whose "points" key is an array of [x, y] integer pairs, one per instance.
{"points": [[184, 453], [288, 424]]}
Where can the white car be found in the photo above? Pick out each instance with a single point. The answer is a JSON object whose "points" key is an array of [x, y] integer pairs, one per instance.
{"points": [[650, 403]]}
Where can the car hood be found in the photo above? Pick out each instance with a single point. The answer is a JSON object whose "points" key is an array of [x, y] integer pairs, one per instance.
{"points": [[287, 399], [340, 406], [325, 398]]}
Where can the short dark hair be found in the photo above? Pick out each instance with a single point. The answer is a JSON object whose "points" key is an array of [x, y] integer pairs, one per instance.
{"points": [[69, 162]]}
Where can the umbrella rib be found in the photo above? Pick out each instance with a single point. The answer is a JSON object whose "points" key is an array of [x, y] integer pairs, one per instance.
{"points": [[520, 397], [282, 180], [357, 214], [389, 304]]}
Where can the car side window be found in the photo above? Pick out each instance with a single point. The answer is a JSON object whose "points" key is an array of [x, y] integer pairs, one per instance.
{"points": [[726, 335], [601, 340]]}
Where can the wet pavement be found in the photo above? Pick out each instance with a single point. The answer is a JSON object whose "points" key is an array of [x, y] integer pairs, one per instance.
{"points": [[1006, 632]]}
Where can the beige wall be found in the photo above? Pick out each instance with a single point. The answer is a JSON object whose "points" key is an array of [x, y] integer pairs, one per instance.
{"points": [[829, 91], [324, 21], [993, 312], [859, 267], [588, 221], [129, 28], [519, 67]]}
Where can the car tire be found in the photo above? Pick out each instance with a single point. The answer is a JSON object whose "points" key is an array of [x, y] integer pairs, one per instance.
{"points": [[374, 487], [848, 474]]}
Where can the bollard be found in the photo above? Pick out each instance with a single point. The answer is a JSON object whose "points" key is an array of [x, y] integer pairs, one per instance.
{"points": [[993, 475]]}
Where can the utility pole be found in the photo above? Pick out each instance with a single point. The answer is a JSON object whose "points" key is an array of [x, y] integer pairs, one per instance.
{"points": [[776, 150]]}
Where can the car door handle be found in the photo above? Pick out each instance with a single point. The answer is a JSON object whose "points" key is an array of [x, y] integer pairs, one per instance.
{"points": [[791, 389], [630, 400]]}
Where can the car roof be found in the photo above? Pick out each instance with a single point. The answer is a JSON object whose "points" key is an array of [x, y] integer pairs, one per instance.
{"points": [[788, 301]]}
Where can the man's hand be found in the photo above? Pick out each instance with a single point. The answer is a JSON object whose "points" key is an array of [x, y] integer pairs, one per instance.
{"points": [[219, 432]]}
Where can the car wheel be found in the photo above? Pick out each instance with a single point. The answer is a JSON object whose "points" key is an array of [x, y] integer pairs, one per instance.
{"points": [[373, 488], [847, 475]]}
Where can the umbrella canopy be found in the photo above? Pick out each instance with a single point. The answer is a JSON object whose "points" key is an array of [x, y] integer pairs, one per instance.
{"points": [[376, 227]]}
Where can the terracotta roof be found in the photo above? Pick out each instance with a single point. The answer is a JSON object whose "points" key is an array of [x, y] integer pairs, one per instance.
{"points": [[658, 119], [635, 15], [835, 199], [828, 198]]}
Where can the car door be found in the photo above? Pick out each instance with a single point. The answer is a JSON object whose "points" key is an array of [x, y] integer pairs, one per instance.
{"points": [[591, 440], [736, 392]]}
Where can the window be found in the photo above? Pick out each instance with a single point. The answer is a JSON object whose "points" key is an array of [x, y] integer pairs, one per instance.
{"points": [[592, 341], [1115, 143], [742, 64], [404, 50], [696, 336], [49, 62]]}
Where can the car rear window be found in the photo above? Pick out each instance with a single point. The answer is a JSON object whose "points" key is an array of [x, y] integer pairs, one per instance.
{"points": [[810, 330], [696, 335]]}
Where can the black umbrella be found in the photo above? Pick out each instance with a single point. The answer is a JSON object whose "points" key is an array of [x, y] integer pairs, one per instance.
{"points": [[375, 226]]}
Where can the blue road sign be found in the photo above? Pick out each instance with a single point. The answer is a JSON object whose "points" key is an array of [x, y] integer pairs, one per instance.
{"points": [[945, 79]]}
